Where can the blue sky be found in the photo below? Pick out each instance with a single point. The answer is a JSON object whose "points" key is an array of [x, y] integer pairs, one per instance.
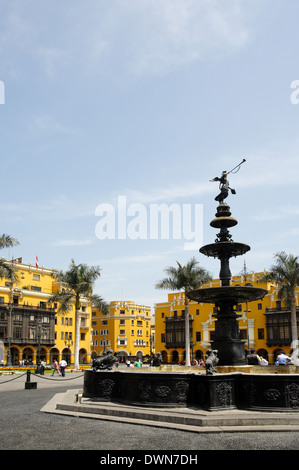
{"points": [[147, 99]]}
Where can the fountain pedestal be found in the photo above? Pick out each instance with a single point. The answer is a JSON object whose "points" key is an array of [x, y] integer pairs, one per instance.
{"points": [[227, 335]]}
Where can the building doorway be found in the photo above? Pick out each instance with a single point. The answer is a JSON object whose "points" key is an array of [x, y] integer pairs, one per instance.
{"points": [[175, 357], [14, 356], [82, 356], [27, 356], [122, 356], [54, 354], [66, 355]]}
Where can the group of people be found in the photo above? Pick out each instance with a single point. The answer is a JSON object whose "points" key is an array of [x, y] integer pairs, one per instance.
{"points": [[137, 363], [254, 359], [26, 362]]}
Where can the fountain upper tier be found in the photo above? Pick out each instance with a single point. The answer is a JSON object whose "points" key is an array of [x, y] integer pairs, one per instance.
{"points": [[225, 248]]}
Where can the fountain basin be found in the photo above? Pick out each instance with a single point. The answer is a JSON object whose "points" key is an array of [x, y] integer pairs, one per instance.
{"points": [[268, 392], [144, 388]]}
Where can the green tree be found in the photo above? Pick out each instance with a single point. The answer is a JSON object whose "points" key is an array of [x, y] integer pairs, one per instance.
{"points": [[77, 283], [186, 278], [7, 271], [285, 273], [6, 268]]}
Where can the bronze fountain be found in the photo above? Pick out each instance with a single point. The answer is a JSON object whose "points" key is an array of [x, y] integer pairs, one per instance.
{"points": [[213, 390]]}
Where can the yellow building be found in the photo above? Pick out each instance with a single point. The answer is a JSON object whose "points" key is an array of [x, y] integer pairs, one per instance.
{"points": [[126, 329], [264, 325], [32, 327]]}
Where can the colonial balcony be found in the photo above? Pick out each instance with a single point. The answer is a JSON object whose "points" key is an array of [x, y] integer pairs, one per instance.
{"points": [[28, 341], [175, 331], [278, 326], [25, 308], [23, 324]]}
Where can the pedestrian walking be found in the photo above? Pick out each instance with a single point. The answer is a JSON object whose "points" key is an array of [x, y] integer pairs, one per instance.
{"points": [[56, 367], [63, 365]]}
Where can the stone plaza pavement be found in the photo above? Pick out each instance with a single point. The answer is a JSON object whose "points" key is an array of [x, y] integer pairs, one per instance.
{"points": [[54, 415]]}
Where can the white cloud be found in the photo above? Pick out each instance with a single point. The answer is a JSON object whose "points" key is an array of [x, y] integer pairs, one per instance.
{"points": [[274, 166], [173, 33], [280, 212], [47, 123], [171, 192], [144, 258], [52, 58], [58, 208], [72, 242], [135, 37]]}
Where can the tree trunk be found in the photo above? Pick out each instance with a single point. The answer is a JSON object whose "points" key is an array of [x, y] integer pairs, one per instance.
{"points": [[187, 334], [77, 340], [294, 321]]}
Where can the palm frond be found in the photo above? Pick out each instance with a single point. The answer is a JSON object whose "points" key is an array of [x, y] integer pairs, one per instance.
{"points": [[188, 277], [168, 283], [7, 271], [100, 303], [64, 299], [78, 280], [6, 241], [285, 274]]}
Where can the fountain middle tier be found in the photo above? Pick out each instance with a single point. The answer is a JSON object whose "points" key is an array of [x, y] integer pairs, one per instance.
{"points": [[218, 295], [224, 249], [227, 336]]}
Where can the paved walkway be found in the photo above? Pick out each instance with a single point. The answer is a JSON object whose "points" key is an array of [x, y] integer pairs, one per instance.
{"points": [[184, 419], [36, 423]]}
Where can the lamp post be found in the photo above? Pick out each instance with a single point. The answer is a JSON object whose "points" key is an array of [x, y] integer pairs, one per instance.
{"points": [[9, 360], [39, 327], [247, 311], [38, 335], [10, 308], [68, 344], [151, 348], [40, 331], [191, 347]]}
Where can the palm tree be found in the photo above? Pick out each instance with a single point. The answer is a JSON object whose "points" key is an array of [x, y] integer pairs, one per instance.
{"points": [[285, 273], [7, 270], [186, 278], [77, 283]]}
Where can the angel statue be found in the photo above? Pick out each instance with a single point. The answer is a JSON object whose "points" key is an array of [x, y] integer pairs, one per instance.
{"points": [[224, 184]]}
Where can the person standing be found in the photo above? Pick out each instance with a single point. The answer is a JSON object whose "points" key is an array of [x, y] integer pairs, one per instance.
{"points": [[263, 362], [253, 359], [63, 365], [283, 359], [42, 367]]}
